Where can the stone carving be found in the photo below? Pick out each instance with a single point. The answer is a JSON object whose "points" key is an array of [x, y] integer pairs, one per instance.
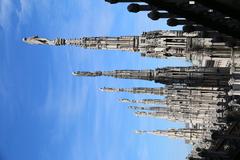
{"points": [[38, 41]]}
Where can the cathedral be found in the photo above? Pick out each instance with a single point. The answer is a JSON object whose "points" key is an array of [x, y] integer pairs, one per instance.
{"points": [[205, 96]]}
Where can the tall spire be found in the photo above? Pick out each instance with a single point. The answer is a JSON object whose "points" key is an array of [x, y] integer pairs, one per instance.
{"points": [[157, 109], [173, 115], [124, 43], [175, 92], [150, 44], [192, 76], [190, 135], [125, 74], [137, 90], [144, 101]]}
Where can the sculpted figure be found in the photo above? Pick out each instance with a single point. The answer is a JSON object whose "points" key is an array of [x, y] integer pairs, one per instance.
{"points": [[37, 40]]}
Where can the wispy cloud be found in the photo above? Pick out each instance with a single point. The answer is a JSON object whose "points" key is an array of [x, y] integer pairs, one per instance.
{"points": [[24, 12], [28, 9], [6, 9], [88, 19], [77, 19], [144, 153]]}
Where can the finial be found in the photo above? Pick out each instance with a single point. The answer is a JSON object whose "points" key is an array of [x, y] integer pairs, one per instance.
{"points": [[102, 89], [140, 132], [140, 113], [106, 89], [136, 108], [89, 74], [125, 100], [132, 107], [74, 74], [24, 39]]}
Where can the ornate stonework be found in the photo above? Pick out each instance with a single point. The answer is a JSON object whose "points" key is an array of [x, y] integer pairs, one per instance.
{"points": [[205, 96], [199, 47]]}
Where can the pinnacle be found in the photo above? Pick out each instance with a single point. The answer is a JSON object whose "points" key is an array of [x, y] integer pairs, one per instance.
{"points": [[87, 74], [124, 100], [138, 113], [106, 89], [132, 107], [101, 89], [74, 73], [140, 132]]}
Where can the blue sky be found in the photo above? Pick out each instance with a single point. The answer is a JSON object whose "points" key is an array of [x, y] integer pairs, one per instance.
{"points": [[46, 113]]}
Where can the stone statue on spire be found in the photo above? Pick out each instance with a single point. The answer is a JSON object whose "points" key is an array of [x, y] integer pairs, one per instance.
{"points": [[38, 41]]}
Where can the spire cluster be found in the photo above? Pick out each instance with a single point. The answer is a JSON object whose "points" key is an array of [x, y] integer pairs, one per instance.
{"points": [[205, 96]]}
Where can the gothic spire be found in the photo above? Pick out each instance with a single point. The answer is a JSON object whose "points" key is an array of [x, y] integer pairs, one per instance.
{"points": [[150, 44], [137, 90], [188, 134], [124, 43], [181, 116], [192, 76], [144, 101], [157, 109], [125, 74]]}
